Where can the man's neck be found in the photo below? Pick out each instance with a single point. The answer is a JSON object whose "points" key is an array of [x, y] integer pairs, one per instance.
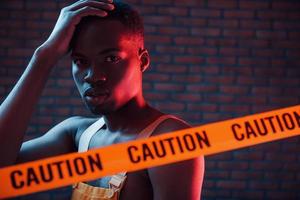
{"points": [[129, 117]]}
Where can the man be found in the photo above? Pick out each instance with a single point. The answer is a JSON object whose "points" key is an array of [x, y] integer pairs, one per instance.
{"points": [[105, 41]]}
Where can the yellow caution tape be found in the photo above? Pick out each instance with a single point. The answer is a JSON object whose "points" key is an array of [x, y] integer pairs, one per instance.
{"points": [[167, 148]]}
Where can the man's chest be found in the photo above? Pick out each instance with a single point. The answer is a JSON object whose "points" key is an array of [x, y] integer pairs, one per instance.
{"points": [[104, 138]]}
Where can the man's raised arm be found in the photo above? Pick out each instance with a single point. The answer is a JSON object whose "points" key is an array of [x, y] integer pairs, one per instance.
{"points": [[17, 108]]}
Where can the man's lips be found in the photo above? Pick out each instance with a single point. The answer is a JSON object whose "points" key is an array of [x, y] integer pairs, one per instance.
{"points": [[96, 100], [94, 92], [95, 96]]}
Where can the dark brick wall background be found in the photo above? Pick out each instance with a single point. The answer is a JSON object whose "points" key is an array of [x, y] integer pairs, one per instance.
{"points": [[211, 60]]}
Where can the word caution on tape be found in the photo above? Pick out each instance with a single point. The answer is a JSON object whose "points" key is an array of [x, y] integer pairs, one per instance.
{"points": [[54, 172]]}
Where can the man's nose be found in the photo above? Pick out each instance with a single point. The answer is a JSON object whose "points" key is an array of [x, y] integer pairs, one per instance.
{"points": [[95, 76]]}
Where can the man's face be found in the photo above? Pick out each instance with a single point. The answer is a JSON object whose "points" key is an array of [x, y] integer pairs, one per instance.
{"points": [[105, 66]]}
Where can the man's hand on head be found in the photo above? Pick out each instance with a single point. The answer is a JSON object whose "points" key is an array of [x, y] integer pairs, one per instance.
{"points": [[59, 40]]}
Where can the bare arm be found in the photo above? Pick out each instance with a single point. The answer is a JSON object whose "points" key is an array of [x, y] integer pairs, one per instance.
{"points": [[58, 140], [182, 180], [17, 108]]}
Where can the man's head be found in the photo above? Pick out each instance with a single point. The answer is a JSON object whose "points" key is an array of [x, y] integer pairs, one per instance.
{"points": [[108, 58]]}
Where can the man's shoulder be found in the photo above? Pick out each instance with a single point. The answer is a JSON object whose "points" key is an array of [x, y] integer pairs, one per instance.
{"points": [[76, 123], [79, 120], [170, 124], [73, 125]]}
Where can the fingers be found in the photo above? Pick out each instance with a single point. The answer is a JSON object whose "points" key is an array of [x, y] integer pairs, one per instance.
{"points": [[87, 11], [105, 1], [104, 5], [88, 7]]}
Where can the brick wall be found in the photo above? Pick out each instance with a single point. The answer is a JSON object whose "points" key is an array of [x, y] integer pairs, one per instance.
{"points": [[211, 60]]}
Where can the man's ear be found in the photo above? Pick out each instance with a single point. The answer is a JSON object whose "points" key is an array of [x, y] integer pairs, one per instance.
{"points": [[144, 59]]}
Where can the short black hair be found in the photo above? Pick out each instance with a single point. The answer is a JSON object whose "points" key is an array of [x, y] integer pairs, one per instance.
{"points": [[128, 16], [123, 13]]}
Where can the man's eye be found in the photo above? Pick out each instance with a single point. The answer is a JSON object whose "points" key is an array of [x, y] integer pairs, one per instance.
{"points": [[80, 62], [112, 59]]}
